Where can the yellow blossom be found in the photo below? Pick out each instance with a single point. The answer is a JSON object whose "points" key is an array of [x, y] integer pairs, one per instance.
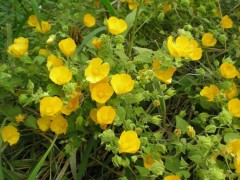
{"points": [[53, 61], [59, 125], [45, 27], [172, 177], [60, 75], [91, 85], [190, 131], [93, 115], [237, 164], [183, 47], [50, 106], [129, 142], [43, 52], [233, 107], [96, 71], [226, 22], [67, 46], [73, 104], [97, 43], [210, 92], [122, 83], [102, 92], [166, 7], [106, 115], [233, 147], [163, 75], [89, 20], [44, 123], [116, 26], [208, 40], [19, 47], [19, 118], [228, 70], [10, 134], [233, 92], [148, 161], [32, 20], [132, 5]]}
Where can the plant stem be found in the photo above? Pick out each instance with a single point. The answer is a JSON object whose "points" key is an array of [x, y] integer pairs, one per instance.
{"points": [[133, 33], [163, 109]]}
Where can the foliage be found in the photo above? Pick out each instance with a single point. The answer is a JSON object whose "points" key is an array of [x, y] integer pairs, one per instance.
{"points": [[140, 89]]}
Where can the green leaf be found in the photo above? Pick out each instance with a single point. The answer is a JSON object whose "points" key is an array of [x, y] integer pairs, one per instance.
{"points": [[109, 7], [230, 136], [158, 168], [9, 110], [172, 164], [144, 57], [30, 122], [181, 124], [42, 160], [142, 171]]}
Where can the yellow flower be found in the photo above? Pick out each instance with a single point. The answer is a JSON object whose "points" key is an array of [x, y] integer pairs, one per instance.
{"points": [[50, 106], [208, 40], [233, 92], [106, 115], [43, 52], [166, 7], [183, 47], [93, 115], [73, 104], [228, 70], [89, 20], [233, 147], [233, 107], [32, 20], [116, 26], [19, 47], [10, 134], [102, 92], [237, 164], [122, 83], [226, 22], [105, 80], [190, 131], [59, 125], [97, 43], [132, 5], [44, 123], [60, 75], [45, 27], [148, 161], [53, 61], [210, 92], [171, 177], [19, 118], [67, 46], [96, 71], [129, 142], [163, 75]]}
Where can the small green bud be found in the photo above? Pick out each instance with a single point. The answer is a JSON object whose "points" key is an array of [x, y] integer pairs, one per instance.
{"points": [[118, 39], [22, 98], [188, 27], [205, 142], [222, 38], [202, 9], [210, 128]]}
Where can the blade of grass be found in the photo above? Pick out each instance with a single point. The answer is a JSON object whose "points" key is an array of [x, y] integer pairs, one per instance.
{"points": [[40, 163], [88, 37], [85, 158], [109, 7], [35, 6], [73, 163]]}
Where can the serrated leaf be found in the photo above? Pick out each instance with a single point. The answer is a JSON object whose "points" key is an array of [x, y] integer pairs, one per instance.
{"points": [[30, 121], [9, 110], [181, 124]]}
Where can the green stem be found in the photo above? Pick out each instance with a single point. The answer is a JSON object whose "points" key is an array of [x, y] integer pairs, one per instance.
{"points": [[133, 33], [163, 109]]}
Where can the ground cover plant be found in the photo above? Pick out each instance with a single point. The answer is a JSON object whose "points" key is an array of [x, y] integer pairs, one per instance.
{"points": [[123, 89]]}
